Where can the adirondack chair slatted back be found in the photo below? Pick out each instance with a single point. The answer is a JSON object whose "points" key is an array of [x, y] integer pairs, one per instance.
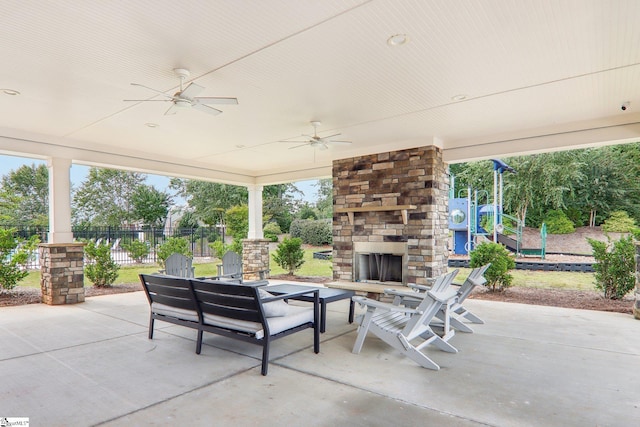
{"points": [[475, 278], [179, 265], [231, 301], [231, 265], [428, 306]]}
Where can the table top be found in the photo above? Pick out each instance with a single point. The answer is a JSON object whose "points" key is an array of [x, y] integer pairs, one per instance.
{"points": [[328, 294]]}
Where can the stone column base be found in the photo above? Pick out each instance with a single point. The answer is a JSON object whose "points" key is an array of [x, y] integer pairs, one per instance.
{"points": [[62, 273], [255, 257]]}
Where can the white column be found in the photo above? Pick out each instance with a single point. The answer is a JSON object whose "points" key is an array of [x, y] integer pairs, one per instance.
{"points": [[255, 212], [59, 200]]}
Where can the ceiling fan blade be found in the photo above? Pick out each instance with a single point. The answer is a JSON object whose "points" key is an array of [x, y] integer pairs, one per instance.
{"points": [[295, 142], [207, 109], [172, 110], [298, 146], [153, 90], [191, 91], [216, 100], [146, 100], [340, 142], [330, 136]]}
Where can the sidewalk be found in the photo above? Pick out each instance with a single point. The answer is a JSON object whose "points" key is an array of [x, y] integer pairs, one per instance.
{"points": [[92, 364]]}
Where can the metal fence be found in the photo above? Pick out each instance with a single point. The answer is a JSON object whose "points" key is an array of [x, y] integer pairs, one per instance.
{"points": [[198, 238]]}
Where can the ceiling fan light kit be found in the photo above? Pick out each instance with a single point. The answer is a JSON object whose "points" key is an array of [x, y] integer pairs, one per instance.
{"points": [[186, 97], [314, 141]]}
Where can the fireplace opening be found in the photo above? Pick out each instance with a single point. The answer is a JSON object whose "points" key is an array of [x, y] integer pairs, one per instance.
{"points": [[380, 262], [379, 267]]}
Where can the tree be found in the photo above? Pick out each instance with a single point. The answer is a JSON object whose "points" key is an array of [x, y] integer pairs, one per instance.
{"points": [[278, 203], [105, 198], [606, 184], [210, 200], [325, 198], [24, 197], [150, 206], [542, 182]]}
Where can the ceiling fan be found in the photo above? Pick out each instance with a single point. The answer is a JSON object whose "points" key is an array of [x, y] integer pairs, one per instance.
{"points": [[321, 143], [186, 97]]}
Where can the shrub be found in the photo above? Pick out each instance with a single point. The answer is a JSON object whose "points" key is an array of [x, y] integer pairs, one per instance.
{"points": [[312, 232], [101, 269], [237, 221], [289, 254], [219, 248], [501, 262], [272, 231], [14, 256], [619, 222], [172, 245], [615, 266], [558, 223], [137, 250]]}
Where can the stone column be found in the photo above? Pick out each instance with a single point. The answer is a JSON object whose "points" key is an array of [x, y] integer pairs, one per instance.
{"points": [[61, 273], [255, 257], [636, 304]]}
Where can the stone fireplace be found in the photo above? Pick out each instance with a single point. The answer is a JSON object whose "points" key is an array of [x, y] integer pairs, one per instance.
{"points": [[390, 217]]}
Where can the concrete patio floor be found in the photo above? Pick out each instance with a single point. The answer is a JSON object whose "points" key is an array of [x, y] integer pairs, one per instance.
{"points": [[92, 364]]}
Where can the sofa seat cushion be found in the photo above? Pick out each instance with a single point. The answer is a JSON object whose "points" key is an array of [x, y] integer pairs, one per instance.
{"points": [[296, 316], [178, 313]]}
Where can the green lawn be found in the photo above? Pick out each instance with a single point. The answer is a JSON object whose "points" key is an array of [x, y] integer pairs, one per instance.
{"points": [[322, 268]]}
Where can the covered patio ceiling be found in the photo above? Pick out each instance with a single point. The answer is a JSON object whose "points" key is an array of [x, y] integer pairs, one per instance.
{"points": [[479, 78]]}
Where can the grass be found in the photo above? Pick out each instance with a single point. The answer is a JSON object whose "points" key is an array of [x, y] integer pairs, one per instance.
{"points": [[323, 268], [545, 279]]}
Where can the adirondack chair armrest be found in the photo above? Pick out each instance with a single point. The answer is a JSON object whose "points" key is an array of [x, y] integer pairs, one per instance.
{"points": [[419, 288], [364, 301], [478, 281], [443, 296], [403, 294]]}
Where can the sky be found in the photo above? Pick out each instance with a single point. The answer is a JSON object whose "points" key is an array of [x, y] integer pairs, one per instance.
{"points": [[79, 173]]}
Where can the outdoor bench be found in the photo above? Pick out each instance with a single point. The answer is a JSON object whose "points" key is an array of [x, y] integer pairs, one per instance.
{"points": [[246, 313]]}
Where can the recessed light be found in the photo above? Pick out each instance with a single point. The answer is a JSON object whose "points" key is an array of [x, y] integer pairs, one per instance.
{"points": [[459, 97], [151, 125], [11, 92], [397, 40]]}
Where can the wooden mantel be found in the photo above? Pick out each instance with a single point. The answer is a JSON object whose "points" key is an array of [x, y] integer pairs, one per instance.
{"points": [[402, 208]]}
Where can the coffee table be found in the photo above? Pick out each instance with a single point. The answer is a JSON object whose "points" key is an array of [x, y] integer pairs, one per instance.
{"points": [[326, 295]]}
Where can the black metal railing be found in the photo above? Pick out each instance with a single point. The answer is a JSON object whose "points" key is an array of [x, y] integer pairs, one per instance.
{"points": [[198, 238]]}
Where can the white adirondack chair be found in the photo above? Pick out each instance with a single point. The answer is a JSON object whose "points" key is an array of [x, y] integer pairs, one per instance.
{"points": [[407, 329], [457, 312]]}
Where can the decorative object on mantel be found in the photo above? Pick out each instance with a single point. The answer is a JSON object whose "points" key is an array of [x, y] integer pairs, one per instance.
{"points": [[402, 208]]}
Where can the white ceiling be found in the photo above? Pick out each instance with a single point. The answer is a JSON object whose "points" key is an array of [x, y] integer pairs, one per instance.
{"points": [[537, 75]]}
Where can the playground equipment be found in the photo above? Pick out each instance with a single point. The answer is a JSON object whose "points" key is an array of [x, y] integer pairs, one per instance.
{"points": [[471, 221]]}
